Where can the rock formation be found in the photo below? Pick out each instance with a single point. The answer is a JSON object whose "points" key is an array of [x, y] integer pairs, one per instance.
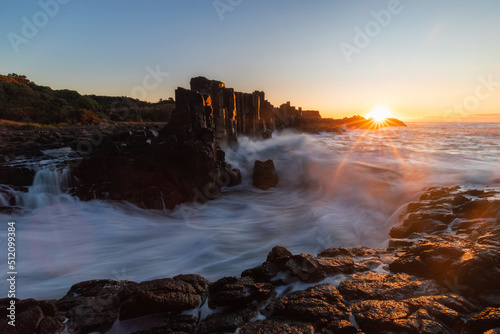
{"points": [[248, 114], [160, 169], [264, 175], [223, 106]]}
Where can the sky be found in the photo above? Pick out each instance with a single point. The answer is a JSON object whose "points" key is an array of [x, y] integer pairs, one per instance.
{"points": [[424, 60]]}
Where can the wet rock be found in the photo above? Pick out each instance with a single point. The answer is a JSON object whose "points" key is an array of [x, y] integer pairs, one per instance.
{"points": [[488, 319], [238, 293], [340, 327], [94, 305], [398, 243], [162, 295], [279, 255], [199, 283], [416, 226], [264, 175], [94, 314], [482, 208], [28, 321], [226, 322], [50, 325], [321, 302], [455, 261], [17, 176], [48, 307], [304, 267], [333, 252], [176, 324], [370, 285], [275, 326], [375, 316]]}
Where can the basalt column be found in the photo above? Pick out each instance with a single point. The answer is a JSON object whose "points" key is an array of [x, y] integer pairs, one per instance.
{"points": [[223, 105], [248, 113]]}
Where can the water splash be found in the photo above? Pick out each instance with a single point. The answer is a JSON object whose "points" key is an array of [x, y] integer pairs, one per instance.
{"points": [[342, 190]]}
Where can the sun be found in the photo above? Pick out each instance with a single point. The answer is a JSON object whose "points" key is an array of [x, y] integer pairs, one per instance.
{"points": [[380, 114]]}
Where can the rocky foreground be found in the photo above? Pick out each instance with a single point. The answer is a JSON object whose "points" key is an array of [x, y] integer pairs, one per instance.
{"points": [[440, 275]]}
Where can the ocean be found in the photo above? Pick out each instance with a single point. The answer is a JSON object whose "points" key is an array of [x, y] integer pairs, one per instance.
{"points": [[335, 190]]}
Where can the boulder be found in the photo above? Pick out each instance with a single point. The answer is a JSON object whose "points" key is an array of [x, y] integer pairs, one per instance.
{"points": [[176, 324], [238, 293], [264, 175], [164, 295], [17, 176], [94, 305], [488, 319], [370, 285], [431, 314], [276, 326], [226, 322], [314, 305], [455, 262], [304, 267]]}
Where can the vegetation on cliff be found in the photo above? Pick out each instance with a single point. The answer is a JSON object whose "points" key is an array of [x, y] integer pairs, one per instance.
{"points": [[21, 100]]}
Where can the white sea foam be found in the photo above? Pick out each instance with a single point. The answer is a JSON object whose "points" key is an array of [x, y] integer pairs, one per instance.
{"points": [[334, 190]]}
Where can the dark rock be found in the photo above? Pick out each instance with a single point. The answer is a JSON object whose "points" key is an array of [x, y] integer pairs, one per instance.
{"points": [[370, 285], [248, 107], [162, 295], [223, 105], [263, 273], [417, 226], [199, 283], [94, 305], [374, 316], [50, 325], [398, 243], [264, 175], [275, 326], [488, 319], [453, 261], [17, 176], [460, 200], [238, 293], [94, 314], [482, 208], [226, 322], [179, 164], [176, 324], [6, 328], [29, 320], [304, 267], [340, 327], [48, 307], [311, 305], [333, 252]]}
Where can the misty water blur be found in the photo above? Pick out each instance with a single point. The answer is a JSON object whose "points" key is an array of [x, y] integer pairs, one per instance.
{"points": [[334, 190]]}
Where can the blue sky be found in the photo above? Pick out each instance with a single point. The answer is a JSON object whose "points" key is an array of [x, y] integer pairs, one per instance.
{"points": [[425, 63]]}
